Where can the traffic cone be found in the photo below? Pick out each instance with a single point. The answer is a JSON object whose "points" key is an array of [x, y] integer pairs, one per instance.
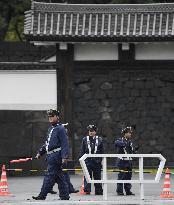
{"points": [[166, 186], [82, 187], [3, 184], [82, 192]]}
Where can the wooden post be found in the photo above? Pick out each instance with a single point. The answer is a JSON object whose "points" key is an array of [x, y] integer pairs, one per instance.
{"points": [[64, 60]]}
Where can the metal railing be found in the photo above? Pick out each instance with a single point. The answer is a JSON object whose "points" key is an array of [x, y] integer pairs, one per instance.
{"points": [[106, 181]]}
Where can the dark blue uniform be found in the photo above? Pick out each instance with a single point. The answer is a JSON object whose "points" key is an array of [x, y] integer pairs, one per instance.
{"points": [[93, 164], [56, 148], [124, 146]]}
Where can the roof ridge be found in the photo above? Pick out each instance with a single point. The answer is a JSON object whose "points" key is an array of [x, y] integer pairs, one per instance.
{"points": [[153, 4], [101, 8]]}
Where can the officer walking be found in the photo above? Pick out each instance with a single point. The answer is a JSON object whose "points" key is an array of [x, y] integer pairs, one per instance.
{"points": [[124, 146], [66, 174], [93, 144], [56, 150]]}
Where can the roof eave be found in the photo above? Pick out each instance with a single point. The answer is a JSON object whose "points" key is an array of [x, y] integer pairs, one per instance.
{"points": [[69, 39]]}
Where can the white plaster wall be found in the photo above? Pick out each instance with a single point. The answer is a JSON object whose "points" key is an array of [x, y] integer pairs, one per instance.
{"points": [[28, 90], [154, 51], [95, 51]]}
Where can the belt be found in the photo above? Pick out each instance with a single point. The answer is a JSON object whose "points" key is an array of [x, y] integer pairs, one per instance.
{"points": [[54, 150]]}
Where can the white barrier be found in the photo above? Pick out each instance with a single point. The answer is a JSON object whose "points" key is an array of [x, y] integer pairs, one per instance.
{"points": [[141, 180]]}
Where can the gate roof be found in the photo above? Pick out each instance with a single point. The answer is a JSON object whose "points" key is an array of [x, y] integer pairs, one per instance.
{"points": [[99, 22]]}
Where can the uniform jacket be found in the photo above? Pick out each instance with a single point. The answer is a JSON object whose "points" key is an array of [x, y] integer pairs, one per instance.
{"points": [[58, 139], [124, 146], [85, 150]]}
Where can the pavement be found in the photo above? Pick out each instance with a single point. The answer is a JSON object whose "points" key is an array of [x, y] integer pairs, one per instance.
{"points": [[23, 188]]}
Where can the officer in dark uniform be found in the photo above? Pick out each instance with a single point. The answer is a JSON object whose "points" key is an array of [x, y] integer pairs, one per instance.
{"points": [[124, 146], [65, 172], [57, 151], [93, 144]]}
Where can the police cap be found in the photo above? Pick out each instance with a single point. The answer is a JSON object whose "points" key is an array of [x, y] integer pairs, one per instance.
{"points": [[92, 128], [52, 113], [126, 130]]}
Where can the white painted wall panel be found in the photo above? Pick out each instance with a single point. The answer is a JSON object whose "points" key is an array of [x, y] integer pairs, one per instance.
{"points": [[154, 51], [28, 90], [96, 51]]}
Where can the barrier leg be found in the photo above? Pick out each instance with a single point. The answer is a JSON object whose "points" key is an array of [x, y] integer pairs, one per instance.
{"points": [[141, 178], [105, 186]]}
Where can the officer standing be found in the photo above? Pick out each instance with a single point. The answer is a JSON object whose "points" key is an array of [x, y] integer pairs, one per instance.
{"points": [[57, 151], [93, 144], [124, 146]]}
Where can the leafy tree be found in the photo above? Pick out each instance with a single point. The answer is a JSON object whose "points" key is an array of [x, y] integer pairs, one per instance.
{"points": [[12, 19]]}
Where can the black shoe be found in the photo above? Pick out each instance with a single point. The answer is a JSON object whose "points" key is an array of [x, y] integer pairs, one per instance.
{"points": [[130, 194], [38, 197], [74, 191], [53, 192], [120, 193]]}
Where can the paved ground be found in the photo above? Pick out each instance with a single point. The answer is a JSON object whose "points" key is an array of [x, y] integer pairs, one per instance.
{"points": [[23, 188]]}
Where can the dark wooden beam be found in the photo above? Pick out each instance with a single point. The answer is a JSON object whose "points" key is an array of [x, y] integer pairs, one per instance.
{"points": [[92, 66], [64, 60]]}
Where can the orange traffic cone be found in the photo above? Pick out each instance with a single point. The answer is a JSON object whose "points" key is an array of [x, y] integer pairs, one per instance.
{"points": [[82, 188], [82, 192], [166, 186], [3, 184]]}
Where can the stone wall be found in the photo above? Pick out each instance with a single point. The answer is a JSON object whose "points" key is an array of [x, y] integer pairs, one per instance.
{"points": [[115, 98]]}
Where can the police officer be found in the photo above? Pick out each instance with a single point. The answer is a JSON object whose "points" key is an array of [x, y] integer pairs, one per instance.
{"points": [[93, 144], [56, 150], [65, 173], [124, 146]]}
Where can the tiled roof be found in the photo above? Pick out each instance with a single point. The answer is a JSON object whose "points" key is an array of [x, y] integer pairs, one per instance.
{"points": [[99, 22]]}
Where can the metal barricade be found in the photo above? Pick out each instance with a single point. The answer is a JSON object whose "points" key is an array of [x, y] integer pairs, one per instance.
{"points": [[141, 180]]}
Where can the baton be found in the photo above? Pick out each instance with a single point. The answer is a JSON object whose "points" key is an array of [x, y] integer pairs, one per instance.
{"points": [[22, 160]]}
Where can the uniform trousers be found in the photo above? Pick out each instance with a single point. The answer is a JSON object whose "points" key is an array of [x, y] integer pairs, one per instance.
{"points": [[124, 176], [94, 169], [54, 175]]}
